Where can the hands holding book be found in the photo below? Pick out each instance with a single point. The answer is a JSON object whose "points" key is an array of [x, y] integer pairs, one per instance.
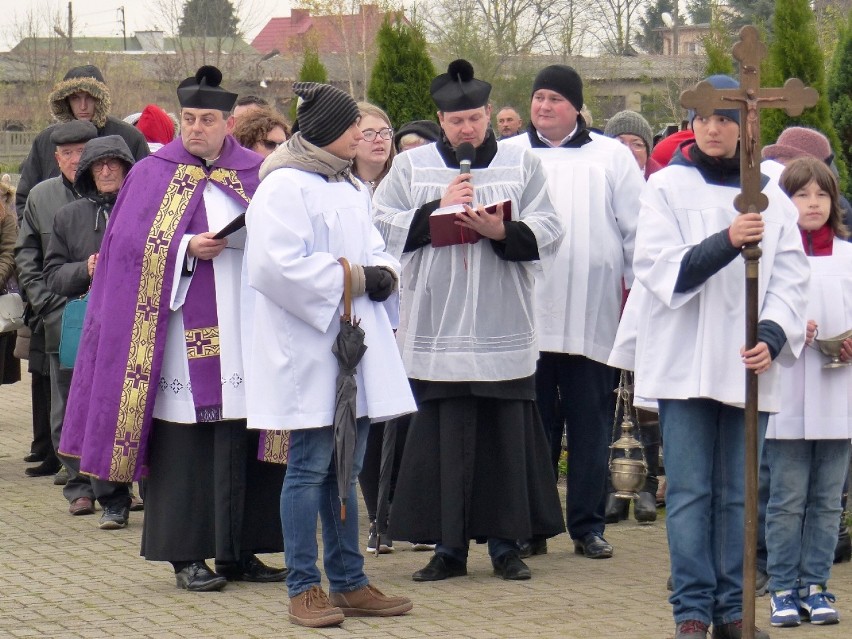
{"points": [[483, 221]]}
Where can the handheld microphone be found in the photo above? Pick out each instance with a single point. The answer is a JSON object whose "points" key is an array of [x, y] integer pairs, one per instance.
{"points": [[465, 153]]}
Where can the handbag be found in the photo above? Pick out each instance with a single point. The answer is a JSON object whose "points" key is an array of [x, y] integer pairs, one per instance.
{"points": [[72, 328], [11, 312]]}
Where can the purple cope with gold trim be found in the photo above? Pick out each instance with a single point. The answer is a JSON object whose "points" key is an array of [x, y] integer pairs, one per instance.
{"points": [[110, 406]]}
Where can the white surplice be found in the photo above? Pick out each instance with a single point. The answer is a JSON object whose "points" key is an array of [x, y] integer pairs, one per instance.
{"points": [[298, 226], [467, 313], [174, 400], [818, 401], [688, 344], [595, 189]]}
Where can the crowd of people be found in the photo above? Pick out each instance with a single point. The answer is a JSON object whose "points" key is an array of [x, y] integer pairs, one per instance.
{"points": [[271, 319]]}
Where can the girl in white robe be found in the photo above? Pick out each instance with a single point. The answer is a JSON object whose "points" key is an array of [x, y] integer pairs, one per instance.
{"points": [[808, 440]]}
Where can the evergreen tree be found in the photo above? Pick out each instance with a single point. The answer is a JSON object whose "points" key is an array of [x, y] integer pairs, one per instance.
{"points": [[312, 70], [794, 53], [208, 18], [717, 46], [840, 95], [756, 12], [649, 39], [402, 73], [700, 11]]}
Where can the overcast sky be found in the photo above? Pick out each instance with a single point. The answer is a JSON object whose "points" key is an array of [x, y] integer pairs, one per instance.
{"points": [[103, 18]]}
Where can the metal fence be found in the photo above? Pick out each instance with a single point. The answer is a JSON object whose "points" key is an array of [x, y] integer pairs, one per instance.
{"points": [[15, 145]]}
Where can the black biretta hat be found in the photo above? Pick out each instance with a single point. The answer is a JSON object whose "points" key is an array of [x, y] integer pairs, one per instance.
{"points": [[203, 91], [458, 90]]}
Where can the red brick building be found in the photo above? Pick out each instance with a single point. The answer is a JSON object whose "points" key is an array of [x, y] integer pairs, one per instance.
{"points": [[346, 34]]}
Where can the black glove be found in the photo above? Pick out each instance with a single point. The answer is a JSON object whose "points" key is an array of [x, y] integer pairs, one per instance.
{"points": [[379, 283]]}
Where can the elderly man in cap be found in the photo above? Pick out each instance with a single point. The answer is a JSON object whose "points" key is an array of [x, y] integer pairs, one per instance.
{"points": [[295, 286], [69, 263], [81, 95], [158, 383], [594, 183], [46, 307], [468, 339]]}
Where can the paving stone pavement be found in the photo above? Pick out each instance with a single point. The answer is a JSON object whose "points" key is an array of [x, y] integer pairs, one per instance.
{"points": [[60, 576]]}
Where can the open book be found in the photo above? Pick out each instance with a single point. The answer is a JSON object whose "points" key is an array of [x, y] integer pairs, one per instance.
{"points": [[445, 231]]}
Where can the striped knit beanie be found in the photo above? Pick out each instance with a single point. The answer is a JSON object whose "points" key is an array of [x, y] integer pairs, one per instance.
{"points": [[324, 112]]}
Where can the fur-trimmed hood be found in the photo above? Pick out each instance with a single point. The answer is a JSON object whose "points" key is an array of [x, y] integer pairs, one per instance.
{"points": [[7, 196], [61, 110]]}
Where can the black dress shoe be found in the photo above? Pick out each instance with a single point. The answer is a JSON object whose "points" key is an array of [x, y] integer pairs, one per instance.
{"points": [[510, 566], [199, 578], [616, 509], [34, 457], [593, 546], [49, 466], [645, 508], [251, 569], [441, 567]]}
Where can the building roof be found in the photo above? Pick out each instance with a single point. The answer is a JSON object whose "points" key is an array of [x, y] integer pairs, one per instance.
{"points": [[140, 42], [330, 34]]}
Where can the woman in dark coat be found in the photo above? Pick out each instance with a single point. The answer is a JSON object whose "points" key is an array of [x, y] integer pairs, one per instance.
{"points": [[10, 367]]}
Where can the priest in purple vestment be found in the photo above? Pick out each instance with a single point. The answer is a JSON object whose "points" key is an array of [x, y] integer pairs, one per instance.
{"points": [[158, 386]]}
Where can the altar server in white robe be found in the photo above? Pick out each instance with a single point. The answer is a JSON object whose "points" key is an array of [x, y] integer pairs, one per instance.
{"points": [[594, 184], [691, 359], [807, 442], [468, 340], [310, 210]]}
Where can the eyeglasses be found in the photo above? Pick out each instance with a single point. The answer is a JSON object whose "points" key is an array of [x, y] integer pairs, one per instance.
{"points": [[636, 145], [271, 145], [370, 134], [112, 164]]}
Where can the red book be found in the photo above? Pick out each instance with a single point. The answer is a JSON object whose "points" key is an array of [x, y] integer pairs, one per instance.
{"points": [[445, 231]]}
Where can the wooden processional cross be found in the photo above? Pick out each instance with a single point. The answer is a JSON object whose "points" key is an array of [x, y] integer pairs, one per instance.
{"points": [[750, 98]]}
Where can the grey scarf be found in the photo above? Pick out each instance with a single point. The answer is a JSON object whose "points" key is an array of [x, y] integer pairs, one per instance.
{"points": [[298, 153]]}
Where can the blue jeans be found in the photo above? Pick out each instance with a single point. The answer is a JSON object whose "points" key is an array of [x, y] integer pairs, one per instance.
{"points": [[704, 449], [805, 486], [310, 489]]}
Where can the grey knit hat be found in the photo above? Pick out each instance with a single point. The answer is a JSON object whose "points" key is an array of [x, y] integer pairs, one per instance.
{"points": [[324, 112], [630, 122]]}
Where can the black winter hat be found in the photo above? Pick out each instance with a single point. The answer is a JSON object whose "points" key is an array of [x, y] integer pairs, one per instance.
{"points": [[324, 112], [562, 79], [73, 132], [202, 91], [458, 90], [426, 129]]}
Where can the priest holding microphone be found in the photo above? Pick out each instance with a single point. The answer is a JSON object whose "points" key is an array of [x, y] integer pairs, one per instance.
{"points": [[468, 340]]}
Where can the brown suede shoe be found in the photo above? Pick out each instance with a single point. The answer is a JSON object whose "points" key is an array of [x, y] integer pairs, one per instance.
{"points": [[312, 608], [370, 602]]}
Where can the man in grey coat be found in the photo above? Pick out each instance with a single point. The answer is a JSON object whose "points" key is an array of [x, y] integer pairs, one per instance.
{"points": [[45, 306]]}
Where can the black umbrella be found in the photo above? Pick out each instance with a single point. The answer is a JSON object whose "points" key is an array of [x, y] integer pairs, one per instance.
{"points": [[385, 473], [348, 348]]}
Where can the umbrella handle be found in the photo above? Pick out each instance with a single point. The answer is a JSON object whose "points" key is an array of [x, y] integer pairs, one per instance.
{"points": [[347, 290]]}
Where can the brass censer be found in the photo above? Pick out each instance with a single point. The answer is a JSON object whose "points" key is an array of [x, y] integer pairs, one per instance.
{"points": [[627, 466]]}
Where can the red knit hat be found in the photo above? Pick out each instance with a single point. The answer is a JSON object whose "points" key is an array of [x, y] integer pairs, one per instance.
{"points": [[156, 125], [797, 142], [666, 147]]}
